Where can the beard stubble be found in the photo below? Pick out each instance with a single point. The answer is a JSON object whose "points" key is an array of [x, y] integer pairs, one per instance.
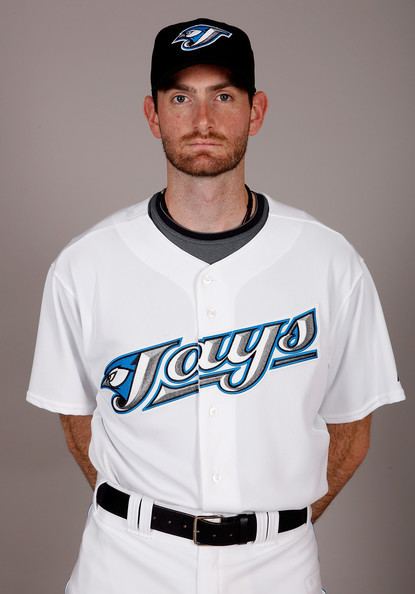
{"points": [[203, 163]]}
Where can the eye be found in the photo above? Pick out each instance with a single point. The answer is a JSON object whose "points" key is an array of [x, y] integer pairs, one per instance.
{"points": [[179, 99], [224, 97], [117, 376]]}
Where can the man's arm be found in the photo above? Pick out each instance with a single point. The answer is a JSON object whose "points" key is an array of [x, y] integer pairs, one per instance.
{"points": [[77, 429], [349, 444]]}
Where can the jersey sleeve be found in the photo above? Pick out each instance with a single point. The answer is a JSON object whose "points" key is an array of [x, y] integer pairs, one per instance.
{"points": [[362, 372], [59, 379]]}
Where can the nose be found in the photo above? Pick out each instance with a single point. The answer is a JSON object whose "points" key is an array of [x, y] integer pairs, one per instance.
{"points": [[203, 117]]}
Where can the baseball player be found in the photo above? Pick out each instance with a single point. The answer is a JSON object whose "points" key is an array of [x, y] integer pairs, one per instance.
{"points": [[215, 354]]}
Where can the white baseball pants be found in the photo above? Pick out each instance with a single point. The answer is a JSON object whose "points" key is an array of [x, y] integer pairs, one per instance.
{"points": [[119, 556]]}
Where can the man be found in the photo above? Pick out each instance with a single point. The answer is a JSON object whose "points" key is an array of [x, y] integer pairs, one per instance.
{"points": [[224, 350]]}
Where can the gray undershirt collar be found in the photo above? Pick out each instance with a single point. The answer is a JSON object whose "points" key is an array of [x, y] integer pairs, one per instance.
{"points": [[209, 247]]}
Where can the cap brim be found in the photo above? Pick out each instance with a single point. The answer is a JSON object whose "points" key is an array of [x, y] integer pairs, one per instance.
{"points": [[169, 73]]}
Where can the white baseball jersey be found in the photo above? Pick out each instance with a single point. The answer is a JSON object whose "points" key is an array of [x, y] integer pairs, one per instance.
{"points": [[211, 385]]}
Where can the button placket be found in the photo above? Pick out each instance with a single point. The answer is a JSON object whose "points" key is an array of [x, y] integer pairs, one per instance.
{"points": [[211, 312], [207, 279], [215, 313]]}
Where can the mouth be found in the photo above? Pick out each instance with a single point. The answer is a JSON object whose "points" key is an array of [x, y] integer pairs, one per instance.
{"points": [[204, 144]]}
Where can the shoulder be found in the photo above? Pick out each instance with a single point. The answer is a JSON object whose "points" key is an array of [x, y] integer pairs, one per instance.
{"points": [[282, 211], [81, 254], [106, 226], [310, 225], [317, 240]]}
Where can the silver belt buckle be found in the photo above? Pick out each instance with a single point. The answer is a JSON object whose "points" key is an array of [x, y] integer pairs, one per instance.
{"points": [[195, 530]]}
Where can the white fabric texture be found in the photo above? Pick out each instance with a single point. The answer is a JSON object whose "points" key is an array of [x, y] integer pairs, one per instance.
{"points": [[360, 349], [211, 385], [112, 559], [59, 380]]}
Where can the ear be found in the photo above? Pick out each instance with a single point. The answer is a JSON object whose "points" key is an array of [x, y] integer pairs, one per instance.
{"points": [[151, 116], [258, 111]]}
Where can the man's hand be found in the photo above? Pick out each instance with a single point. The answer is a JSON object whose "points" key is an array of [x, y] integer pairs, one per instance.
{"points": [[349, 444], [77, 429]]}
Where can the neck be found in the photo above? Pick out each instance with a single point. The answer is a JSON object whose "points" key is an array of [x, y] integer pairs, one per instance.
{"points": [[207, 204]]}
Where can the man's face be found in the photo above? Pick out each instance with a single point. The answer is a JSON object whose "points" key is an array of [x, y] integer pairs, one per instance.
{"points": [[204, 122]]}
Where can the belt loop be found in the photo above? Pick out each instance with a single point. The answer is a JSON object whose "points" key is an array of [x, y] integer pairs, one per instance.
{"points": [[133, 512], [144, 518], [273, 525], [261, 526]]}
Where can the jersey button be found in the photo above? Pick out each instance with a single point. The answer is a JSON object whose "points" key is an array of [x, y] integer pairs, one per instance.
{"points": [[212, 411], [216, 477], [211, 312], [207, 279]]}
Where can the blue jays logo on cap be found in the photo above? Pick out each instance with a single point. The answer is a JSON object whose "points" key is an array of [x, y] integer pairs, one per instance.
{"points": [[197, 36]]}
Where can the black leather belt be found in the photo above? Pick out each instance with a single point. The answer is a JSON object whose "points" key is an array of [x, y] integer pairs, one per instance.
{"points": [[203, 530]]}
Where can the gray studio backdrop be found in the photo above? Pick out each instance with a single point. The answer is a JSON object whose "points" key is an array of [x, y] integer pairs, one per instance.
{"points": [[338, 142]]}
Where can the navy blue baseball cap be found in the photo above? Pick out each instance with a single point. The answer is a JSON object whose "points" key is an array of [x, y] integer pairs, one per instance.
{"points": [[202, 41]]}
